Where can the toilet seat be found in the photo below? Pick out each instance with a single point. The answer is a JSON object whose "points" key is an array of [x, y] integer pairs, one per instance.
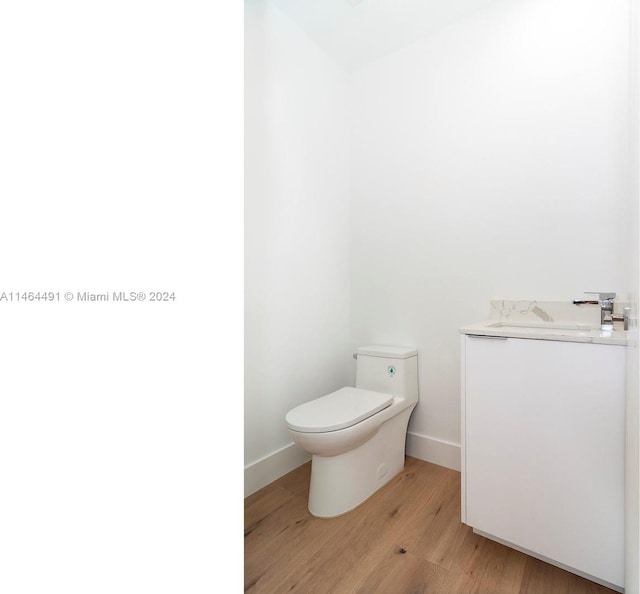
{"points": [[338, 410]]}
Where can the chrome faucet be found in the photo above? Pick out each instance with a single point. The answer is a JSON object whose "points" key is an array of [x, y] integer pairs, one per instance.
{"points": [[607, 317]]}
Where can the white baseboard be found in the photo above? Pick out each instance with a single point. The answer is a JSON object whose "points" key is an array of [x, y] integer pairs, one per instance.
{"points": [[266, 470], [437, 451]]}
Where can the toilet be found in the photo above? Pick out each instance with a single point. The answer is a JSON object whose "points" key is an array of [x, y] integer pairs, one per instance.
{"points": [[356, 436]]}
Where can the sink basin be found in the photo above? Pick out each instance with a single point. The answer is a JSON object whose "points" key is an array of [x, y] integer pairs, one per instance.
{"points": [[567, 332], [564, 329]]}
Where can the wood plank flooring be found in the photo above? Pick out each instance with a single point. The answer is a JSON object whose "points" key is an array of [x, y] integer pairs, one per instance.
{"points": [[406, 539]]}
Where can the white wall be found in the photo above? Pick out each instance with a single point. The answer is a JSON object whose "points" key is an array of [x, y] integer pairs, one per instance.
{"points": [[632, 463], [296, 234], [488, 161]]}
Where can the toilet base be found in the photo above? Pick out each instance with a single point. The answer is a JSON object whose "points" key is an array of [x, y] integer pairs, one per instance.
{"points": [[341, 483]]}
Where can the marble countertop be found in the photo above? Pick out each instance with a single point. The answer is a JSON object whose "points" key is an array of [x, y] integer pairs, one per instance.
{"points": [[546, 320], [565, 333]]}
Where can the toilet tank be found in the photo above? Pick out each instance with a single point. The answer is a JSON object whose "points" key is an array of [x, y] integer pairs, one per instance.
{"points": [[388, 369]]}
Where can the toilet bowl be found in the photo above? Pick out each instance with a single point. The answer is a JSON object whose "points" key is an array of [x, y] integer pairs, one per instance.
{"points": [[356, 436]]}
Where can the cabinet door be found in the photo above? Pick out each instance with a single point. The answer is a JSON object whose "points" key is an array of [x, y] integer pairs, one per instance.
{"points": [[544, 447]]}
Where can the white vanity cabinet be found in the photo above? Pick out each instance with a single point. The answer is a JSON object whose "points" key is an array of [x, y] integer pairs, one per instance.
{"points": [[543, 450]]}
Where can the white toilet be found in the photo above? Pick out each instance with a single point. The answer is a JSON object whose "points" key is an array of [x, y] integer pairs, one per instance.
{"points": [[357, 435]]}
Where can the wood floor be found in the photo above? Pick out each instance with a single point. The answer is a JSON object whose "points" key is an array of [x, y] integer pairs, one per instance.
{"points": [[406, 539]]}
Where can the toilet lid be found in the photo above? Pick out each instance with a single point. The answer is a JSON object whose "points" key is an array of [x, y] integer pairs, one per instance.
{"points": [[337, 410]]}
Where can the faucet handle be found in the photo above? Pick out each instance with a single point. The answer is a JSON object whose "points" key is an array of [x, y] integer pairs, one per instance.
{"points": [[624, 318], [601, 296]]}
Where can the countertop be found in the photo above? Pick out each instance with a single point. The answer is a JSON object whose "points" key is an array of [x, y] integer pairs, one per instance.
{"points": [[547, 331]]}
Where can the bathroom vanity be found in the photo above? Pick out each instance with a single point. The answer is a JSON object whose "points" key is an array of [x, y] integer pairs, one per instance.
{"points": [[543, 428]]}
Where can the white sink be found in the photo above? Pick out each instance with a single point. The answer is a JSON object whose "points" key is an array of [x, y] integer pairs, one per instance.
{"points": [[577, 329], [546, 331]]}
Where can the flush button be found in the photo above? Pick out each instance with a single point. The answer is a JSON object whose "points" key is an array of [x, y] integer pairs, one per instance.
{"points": [[391, 371]]}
